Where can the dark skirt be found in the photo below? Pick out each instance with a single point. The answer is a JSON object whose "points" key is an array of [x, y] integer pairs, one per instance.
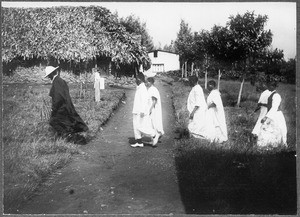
{"points": [[65, 123]]}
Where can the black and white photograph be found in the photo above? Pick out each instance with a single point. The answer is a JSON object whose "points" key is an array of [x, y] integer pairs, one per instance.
{"points": [[149, 108]]}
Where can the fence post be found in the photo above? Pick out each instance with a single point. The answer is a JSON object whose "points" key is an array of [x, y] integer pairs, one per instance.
{"points": [[109, 68], [192, 69]]}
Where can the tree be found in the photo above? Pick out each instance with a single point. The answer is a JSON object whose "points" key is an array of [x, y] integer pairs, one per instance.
{"points": [[199, 54], [170, 47], [184, 44], [249, 39], [219, 47], [134, 26], [270, 61], [288, 70]]}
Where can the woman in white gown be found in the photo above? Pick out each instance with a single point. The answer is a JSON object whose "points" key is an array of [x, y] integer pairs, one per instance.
{"points": [[97, 86], [155, 110], [262, 106], [273, 130], [197, 108], [216, 114]]}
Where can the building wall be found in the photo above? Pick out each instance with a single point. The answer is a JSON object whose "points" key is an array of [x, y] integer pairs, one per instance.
{"points": [[164, 61]]}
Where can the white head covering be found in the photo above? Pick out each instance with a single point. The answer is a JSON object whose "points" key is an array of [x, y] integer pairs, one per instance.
{"points": [[49, 70]]}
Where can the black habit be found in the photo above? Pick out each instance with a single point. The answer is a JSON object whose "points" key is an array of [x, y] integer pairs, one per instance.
{"points": [[64, 118]]}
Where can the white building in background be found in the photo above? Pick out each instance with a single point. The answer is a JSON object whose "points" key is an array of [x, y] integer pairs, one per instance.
{"points": [[163, 61]]}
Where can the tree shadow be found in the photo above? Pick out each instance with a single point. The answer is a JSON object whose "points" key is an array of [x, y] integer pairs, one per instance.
{"points": [[220, 182]]}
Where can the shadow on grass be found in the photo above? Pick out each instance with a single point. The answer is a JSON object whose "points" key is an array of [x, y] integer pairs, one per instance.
{"points": [[216, 181]]}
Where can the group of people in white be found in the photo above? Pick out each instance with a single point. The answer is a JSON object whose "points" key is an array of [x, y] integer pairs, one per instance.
{"points": [[147, 112], [206, 116]]}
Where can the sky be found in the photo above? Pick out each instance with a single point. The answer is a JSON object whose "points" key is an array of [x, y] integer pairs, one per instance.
{"points": [[163, 18]]}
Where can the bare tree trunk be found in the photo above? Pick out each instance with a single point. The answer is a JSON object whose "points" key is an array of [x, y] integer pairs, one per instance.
{"points": [[240, 93], [219, 79], [205, 85], [182, 70], [185, 68], [197, 72]]}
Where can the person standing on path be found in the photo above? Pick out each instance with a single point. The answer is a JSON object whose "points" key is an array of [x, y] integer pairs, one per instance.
{"points": [[97, 86], [197, 108], [216, 114], [140, 111], [155, 110], [64, 119]]}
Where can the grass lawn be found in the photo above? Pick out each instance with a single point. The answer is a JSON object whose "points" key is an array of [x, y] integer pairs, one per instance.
{"points": [[236, 177], [30, 151]]}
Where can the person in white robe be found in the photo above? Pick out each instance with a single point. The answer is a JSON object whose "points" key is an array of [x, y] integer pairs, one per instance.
{"points": [[273, 131], [155, 110], [262, 107], [197, 108], [216, 114], [97, 86], [141, 120]]}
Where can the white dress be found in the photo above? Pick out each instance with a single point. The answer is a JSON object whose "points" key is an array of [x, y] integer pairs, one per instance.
{"points": [[156, 115], [141, 104], [274, 131], [197, 126], [217, 117], [97, 86], [263, 110]]}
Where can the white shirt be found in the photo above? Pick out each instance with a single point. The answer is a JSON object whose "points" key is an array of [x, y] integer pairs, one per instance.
{"points": [[141, 100], [196, 98], [156, 115], [276, 100]]}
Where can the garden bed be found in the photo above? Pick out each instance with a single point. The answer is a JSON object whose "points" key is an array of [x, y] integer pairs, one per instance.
{"points": [[31, 154]]}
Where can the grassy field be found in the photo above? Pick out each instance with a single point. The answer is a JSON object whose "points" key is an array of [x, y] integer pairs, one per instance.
{"points": [[30, 151], [236, 177]]}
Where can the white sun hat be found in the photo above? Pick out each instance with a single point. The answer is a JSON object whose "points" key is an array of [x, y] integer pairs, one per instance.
{"points": [[49, 70]]}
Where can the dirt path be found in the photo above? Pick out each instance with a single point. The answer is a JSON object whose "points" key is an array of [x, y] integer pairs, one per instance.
{"points": [[114, 178]]}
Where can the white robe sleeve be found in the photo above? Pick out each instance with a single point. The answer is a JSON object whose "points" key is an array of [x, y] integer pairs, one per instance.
{"points": [[198, 95]]}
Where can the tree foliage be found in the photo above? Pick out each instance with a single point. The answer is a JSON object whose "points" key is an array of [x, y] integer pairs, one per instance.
{"points": [[270, 61], [200, 49], [68, 34], [184, 42], [170, 47], [248, 35], [288, 70], [134, 26]]}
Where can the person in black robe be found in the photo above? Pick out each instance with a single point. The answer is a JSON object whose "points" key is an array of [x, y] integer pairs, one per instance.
{"points": [[64, 119]]}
